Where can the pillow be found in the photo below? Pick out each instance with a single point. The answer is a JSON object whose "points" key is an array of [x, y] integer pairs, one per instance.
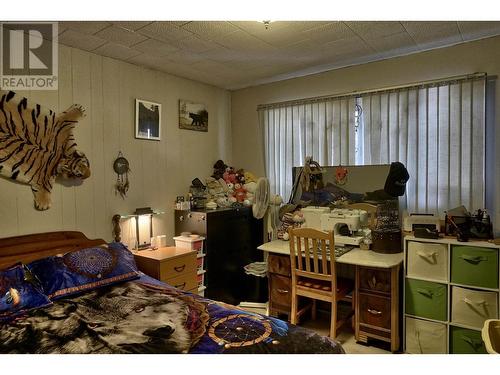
{"points": [[18, 294], [84, 270]]}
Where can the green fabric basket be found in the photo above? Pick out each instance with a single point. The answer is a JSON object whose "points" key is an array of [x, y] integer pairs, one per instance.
{"points": [[466, 341], [474, 266], [426, 299]]}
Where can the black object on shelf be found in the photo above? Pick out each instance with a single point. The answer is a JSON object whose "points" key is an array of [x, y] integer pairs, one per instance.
{"points": [[232, 236]]}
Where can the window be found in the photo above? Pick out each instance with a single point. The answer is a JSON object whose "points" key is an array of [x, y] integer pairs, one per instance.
{"points": [[436, 130]]}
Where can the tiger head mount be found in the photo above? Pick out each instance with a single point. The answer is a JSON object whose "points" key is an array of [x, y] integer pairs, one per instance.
{"points": [[38, 145]]}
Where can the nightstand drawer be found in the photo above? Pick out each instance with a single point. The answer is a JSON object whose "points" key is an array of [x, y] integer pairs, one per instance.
{"points": [[375, 310], [375, 280], [426, 299], [424, 337], [472, 307], [187, 281], [428, 260], [474, 266], [174, 267]]}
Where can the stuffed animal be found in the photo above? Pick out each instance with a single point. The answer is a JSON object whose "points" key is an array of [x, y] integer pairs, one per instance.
{"points": [[240, 193], [240, 176], [229, 176], [289, 220], [219, 169], [250, 177]]}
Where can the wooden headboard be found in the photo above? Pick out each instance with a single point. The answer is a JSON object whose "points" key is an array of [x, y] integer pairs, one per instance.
{"points": [[31, 247]]}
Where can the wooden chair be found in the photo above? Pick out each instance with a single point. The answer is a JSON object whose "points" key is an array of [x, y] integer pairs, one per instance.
{"points": [[314, 275], [371, 209]]}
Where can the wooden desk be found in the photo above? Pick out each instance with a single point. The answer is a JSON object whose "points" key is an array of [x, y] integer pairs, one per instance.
{"points": [[376, 289]]}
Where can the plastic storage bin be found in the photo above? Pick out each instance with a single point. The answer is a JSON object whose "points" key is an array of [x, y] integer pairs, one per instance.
{"points": [[190, 243]]}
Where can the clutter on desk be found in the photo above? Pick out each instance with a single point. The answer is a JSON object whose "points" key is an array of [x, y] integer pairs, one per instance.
{"points": [[464, 225]]}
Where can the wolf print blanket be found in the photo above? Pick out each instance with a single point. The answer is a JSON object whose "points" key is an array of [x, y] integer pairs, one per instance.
{"points": [[136, 317]]}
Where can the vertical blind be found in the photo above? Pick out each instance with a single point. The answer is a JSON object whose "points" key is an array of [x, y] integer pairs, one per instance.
{"points": [[437, 131], [323, 130]]}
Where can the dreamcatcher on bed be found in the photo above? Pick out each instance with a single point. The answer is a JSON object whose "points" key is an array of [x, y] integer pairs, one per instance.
{"points": [[121, 167]]}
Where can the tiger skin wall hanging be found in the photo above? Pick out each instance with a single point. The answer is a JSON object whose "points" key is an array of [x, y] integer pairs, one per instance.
{"points": [[37, 145]]}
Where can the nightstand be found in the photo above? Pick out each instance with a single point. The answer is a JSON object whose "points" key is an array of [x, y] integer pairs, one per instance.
{"points": [[172, 265]]}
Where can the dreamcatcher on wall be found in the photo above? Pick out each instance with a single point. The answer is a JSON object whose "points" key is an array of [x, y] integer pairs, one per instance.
{"points": [[122, 168]]}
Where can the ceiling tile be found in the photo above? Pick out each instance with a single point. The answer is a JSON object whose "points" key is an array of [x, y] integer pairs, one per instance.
{"points": [[433, 33], [83, 41], [121, 36], [242, 41], [131, 25], [473, 30], [155, 62], [164, 30], [117, 51], [85, 27], [373, 30], [392, 42], [183, 57], [329, 32], [282, 37], [155, 47], [210, 29], [194, 44]]}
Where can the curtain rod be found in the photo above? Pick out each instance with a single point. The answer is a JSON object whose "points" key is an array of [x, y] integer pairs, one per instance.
{"points": [[355, 94]]}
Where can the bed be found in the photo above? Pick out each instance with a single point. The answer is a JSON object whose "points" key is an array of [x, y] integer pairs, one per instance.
{"points": [[142, 315]]}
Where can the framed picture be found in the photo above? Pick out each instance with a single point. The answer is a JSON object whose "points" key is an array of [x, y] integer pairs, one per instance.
{"points": [[193, 116], [147, 120]]}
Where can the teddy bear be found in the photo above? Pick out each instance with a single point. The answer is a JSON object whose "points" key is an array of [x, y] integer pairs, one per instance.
{"points": [[229, 176], [240, 176], [240, 193], [293, 219], [219, 169]]}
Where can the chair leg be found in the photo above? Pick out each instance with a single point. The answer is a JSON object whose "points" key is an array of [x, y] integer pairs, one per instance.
{"points": [[313, 310], [333, 323], [293, 313]]}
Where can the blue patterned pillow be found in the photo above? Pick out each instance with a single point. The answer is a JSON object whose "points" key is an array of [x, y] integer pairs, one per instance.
{"points": [[18, 294], [84, 269]]}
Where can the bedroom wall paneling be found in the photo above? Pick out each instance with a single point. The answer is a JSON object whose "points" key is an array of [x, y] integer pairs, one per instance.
{"points": [[160, 170]]}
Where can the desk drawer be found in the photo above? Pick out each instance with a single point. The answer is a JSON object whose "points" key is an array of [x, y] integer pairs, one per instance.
{"points": [[279, 264], [426, 299], [177, 266], [280, 291], [424, 337], [375, 310], [375, 280], [187, 281], [428, 260], [475, 266], [466, 341], [473, 307]]}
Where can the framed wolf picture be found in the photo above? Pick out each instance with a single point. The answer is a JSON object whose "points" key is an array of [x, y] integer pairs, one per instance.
{"points": [[193, 116]]}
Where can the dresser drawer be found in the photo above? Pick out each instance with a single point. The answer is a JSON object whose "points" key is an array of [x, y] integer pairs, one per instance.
{"points": [[466, 341], [279, 264], [186, 282], [424, 337], [375, 310], [174, 267], [375, 280], [280, 291], [473, 307], [427, 260], [426, 299], [475, 266]]}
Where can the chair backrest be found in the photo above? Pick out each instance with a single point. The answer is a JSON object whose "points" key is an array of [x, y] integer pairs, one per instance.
{"points": [[371, 210], [309, 256]]}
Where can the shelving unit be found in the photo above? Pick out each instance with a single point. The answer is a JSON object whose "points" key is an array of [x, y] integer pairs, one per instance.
{"points": [[450, 289]]}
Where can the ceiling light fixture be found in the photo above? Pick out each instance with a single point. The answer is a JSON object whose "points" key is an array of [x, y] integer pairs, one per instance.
{"points": [[267, 24]]}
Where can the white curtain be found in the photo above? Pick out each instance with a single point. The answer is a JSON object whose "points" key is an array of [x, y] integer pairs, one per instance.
{"points": [[438, 134], [321, 129]]}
